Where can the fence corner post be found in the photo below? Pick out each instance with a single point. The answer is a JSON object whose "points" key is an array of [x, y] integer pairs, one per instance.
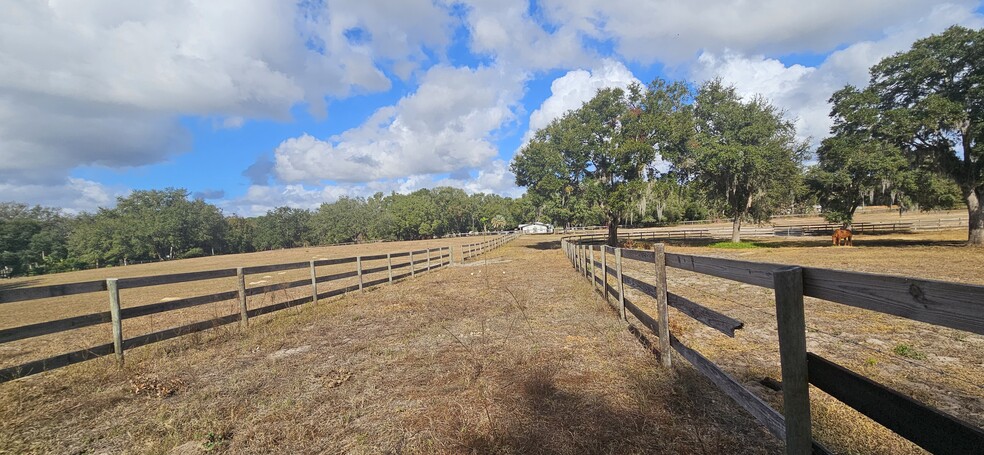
{"points": [[114, 313], [314, 283], [621, 283], [243, 309], [792, 358], [661, 307]]}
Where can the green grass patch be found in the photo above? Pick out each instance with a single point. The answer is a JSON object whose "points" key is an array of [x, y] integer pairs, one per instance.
{"points": [[905, 350], [736, 245]]}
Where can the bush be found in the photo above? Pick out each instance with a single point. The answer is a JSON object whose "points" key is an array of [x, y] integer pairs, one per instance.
{"points": [[193, 253]]}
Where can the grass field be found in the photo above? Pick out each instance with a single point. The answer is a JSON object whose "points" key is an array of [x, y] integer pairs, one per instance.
{"points": [[35, 311], [510, 354]]}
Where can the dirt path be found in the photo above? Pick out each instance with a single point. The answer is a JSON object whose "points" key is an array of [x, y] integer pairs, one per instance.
{"points": [[510, 355]]}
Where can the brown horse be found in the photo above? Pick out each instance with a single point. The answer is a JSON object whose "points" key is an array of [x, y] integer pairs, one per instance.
{"points": [[842, 237]]}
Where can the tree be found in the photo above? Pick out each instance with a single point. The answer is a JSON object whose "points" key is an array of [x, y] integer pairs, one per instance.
{"points": [[282, 227], [848, 169], [930, 104], [742, 153], [597, 157]]}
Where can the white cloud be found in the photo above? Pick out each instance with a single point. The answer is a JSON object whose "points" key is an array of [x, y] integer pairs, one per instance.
{"points": [[74, 196], [505, 30], [104, 82], [571, 90], [445, 126], [804, 91], [494, 177], [674, 32]]}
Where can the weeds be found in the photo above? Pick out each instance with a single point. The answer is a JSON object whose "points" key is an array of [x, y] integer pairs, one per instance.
{"points": [[905, 350]]}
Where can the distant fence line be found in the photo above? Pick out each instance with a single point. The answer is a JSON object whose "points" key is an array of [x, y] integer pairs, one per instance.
{"points": [[953, 305], [418, 261]]}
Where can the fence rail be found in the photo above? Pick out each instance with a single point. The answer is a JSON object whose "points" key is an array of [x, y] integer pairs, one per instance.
{"points": [[958, 306], [418, 261]]}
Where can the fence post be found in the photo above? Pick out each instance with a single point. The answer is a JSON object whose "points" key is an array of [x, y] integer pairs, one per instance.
{"points": [[792, 357], [661, 308], [314, 284], [593, 271], [621, 284], [243, 310], [604, 272], [413, 273], [358, 265], [114, 314], [389, 267], [428, 259]]}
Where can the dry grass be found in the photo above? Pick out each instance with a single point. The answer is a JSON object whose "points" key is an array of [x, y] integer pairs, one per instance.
{"points": [[36, 311], [511, 355], [949, 375]]}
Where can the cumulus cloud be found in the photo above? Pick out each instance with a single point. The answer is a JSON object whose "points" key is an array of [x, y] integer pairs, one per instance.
{"points": [[674, 32], [506, 30], [494, 177], [104, 82], [571, 90], [73, 197], [445, 126], [804, 91]]}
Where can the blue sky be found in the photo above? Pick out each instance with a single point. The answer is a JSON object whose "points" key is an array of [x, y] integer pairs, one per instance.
{"points": [[254, 105]]}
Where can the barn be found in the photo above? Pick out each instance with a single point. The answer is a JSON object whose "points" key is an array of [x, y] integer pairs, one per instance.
{"points": [[536, 228]]}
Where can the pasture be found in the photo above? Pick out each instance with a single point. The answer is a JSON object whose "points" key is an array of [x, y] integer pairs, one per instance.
{"points": [[510, 354]]}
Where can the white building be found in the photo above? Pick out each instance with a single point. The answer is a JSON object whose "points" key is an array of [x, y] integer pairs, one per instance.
{"points": [[536, 228]]}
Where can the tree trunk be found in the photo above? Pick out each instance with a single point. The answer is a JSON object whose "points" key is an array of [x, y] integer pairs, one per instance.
{"points": [[975, 212], [736, 229], [613, 232]]}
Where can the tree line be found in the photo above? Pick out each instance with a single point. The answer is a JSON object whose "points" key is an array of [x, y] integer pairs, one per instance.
{"points": [[155, 225], [910, 138]]}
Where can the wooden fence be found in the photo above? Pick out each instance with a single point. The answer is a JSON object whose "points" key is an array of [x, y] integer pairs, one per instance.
{"points": [[393, 264], [957, 306]]}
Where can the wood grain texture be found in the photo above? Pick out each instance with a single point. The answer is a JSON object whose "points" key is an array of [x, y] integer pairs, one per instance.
{"points": [[274, 267], [58, 361], [49, 327], [277, 287], [44, 292], [704, 315], [770, 418], [139, 282], [350, 260], [929, 428], [792, 358]]}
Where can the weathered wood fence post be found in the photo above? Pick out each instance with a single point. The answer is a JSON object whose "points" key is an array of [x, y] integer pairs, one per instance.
{"points": [[593, 282], [792, 357], [661, 307], [621, 283], [604, 272], [114, 313], [389, 266], [314, 284], [243, 310], [428, 259], [358, 265], [412, 271]]}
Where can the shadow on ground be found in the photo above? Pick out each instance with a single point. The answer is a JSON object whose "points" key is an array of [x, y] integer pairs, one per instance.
{"points": [[548, 245], [19, 284]]}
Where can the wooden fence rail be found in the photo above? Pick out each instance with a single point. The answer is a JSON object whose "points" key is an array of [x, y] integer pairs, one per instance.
{"points": [[417, 262], [958, 306]]}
